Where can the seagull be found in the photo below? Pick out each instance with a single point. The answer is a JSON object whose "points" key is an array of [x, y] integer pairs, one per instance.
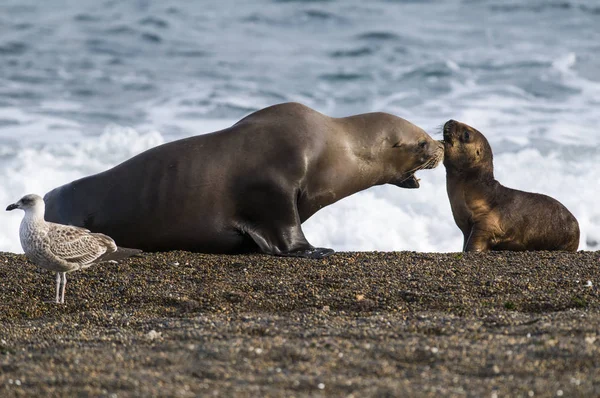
{"points": [[62, 248]]}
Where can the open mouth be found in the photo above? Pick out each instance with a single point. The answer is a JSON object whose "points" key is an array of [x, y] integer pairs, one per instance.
{"points": [[447, 137], [410, 182]]}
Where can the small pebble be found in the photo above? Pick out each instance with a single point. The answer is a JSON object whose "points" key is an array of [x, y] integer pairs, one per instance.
{"points": [[153, 334], [590, 339], [198, 330], [588, 284], [18, 382]]}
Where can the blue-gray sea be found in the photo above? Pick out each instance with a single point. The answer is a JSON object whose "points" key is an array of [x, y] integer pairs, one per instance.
{"points": [[86, 84]]}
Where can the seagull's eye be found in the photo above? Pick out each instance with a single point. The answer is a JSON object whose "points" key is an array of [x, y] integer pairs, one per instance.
{"points": [[27, 201]]}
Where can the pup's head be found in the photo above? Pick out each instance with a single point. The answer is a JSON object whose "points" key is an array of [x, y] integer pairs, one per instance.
{"points": [[466, 149]]}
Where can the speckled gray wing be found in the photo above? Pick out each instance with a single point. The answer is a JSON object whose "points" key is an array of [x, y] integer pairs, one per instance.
{"points": [[78, 245]]}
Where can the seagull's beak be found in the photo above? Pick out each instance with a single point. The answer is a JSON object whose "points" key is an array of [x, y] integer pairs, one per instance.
{"points": [[12, 207]]}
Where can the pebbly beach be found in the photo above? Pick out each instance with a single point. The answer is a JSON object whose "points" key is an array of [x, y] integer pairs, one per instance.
{"points": [[300, 129], [352, 324]]}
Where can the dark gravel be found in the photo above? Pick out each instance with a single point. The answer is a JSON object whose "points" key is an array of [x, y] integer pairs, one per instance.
{"points": [[354, 324]]}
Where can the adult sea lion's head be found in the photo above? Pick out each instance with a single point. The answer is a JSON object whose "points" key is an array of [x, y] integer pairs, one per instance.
{"points": [[412, 149], [466, 149]]}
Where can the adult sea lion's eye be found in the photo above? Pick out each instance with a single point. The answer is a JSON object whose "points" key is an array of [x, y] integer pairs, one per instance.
{"points": [[466, 136], [422, 144]]}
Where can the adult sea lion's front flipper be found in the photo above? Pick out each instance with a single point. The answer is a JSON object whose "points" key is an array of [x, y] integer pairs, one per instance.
{"points": [[314, 253], [270, 217], [278, 248]]}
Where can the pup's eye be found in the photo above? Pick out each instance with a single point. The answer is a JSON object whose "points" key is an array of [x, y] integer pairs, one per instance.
{"points": [[422, 144], [397, 145], [466, 136]]}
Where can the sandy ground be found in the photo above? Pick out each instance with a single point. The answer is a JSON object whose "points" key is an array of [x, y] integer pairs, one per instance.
{"points": [[354, 324]]}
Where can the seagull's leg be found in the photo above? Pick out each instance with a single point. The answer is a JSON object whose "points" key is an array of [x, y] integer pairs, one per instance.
{"points": [[57, 287], [62, 300]]}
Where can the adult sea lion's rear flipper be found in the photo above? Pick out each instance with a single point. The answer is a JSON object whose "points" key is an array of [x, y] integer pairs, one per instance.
{"points": [[271, 219]]}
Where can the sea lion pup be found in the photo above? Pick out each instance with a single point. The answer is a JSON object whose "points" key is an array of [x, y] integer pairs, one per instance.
{"points": [[491, 216], [247, 187]]}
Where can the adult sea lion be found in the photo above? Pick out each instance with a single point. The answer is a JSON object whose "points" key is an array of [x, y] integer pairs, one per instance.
{"points": [[246, 187], [491, 216]]}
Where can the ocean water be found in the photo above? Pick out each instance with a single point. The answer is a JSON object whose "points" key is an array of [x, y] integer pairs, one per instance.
{"points": [[86, 84]]}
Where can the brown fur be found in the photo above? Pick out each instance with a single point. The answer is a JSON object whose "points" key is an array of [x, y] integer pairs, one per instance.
{"points": [[491, 216]]}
